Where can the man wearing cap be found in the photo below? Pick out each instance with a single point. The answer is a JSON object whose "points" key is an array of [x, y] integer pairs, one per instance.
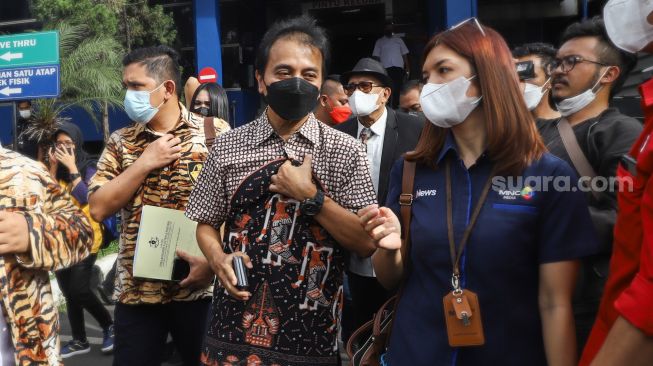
{"points": [[386, 135]]}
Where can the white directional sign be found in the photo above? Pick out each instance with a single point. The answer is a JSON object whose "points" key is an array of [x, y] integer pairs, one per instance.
{"points": [[11, 56]]}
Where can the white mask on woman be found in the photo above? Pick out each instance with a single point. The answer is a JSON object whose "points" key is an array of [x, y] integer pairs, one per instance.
{"points": [[446, 105]]}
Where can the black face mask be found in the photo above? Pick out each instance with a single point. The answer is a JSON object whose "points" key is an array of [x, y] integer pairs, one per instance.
{"points": [[292, 99], [204, 111]]}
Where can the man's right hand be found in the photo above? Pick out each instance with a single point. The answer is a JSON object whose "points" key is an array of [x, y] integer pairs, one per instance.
{"points": [[222, 266], [161, 152]]}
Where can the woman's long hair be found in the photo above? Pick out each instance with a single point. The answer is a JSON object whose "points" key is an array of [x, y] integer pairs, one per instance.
{"points": [[218, 101], [513, 141]]}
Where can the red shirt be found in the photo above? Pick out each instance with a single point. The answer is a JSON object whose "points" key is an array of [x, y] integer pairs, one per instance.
{"points": [[629, 290]]}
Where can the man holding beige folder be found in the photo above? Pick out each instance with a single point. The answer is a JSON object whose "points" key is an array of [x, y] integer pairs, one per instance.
{"points": [[147, 171]]}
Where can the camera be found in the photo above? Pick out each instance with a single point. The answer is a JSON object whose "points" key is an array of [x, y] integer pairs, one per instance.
{"points": [[525, 70]]}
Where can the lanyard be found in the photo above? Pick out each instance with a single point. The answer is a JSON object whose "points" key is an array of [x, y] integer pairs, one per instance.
{"points": [[455, 256]]}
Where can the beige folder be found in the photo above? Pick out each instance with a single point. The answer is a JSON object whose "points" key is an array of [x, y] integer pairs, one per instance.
{"points": [[161, 232]]}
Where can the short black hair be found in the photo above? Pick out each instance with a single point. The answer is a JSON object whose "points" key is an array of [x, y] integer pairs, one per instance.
{"points": [[326, 87], [161, 63], [608, 53], [303, 29], [218, 101], [545, 51], [410, 85]]}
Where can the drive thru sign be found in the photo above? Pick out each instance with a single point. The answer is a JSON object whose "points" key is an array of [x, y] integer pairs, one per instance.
{"points": [[29, 66]]}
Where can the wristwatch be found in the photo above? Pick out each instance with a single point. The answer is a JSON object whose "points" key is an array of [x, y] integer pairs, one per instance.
{"points": [[74, 176], [312, 206]]}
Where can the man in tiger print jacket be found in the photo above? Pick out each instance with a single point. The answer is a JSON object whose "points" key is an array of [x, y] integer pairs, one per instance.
{"points": [[41, 230]]}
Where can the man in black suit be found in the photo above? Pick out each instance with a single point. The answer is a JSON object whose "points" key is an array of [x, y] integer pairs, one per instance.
{"points": [[387, 135]]}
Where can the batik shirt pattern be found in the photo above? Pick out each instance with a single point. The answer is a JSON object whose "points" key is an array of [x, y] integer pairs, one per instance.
{"points": [[167, 187], [292, 317], [59, 236]]}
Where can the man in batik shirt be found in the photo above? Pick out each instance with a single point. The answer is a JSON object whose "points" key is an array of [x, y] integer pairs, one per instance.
{"points": [[287, 187], [154, 162]]}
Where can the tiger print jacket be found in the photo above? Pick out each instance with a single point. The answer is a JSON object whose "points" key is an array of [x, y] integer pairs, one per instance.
{"points": [[59, 236]]}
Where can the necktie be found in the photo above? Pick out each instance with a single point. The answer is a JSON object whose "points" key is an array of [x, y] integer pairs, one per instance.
{"points": [[365, 135]]}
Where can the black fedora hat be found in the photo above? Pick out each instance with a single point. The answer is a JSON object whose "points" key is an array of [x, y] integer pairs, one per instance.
{"points": [[368, 66]]}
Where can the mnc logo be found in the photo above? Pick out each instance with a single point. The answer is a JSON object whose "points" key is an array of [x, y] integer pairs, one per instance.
{"points": [[527, 193]]}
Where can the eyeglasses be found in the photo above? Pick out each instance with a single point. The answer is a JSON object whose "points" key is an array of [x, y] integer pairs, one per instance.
{"points": [[568, 63], [64, 144], [364, 86], [473, 20]]}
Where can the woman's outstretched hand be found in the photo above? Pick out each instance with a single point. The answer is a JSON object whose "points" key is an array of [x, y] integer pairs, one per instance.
{"points": [[382, 225]]}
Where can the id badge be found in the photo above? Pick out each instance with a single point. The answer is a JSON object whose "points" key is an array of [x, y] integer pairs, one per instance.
{"points": [[463, 319]]}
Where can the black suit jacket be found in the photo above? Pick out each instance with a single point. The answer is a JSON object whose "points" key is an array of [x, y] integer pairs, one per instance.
{"points": [[401, 134]]}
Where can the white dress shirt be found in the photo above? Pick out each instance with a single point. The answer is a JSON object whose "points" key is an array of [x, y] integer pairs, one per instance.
{"points": [[390, 51], [363, 266]]}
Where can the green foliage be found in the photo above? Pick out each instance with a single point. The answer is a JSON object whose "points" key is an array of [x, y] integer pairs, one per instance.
{"points": [[99, 16], [94, 35], [142, 25], [133, 23], [91, 75]]}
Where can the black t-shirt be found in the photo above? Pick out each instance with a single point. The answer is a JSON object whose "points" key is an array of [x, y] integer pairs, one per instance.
{"points": [[603, 140]]}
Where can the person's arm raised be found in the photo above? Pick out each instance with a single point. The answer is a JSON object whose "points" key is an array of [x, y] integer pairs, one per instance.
{"points": [[342, 224], [117, 192]]}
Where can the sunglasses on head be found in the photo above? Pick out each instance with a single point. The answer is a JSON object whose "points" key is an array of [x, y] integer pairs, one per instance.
{"points": [[473, 20], [364, 86]]}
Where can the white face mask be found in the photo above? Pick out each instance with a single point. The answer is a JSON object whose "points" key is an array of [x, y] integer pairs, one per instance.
{"points": [[533, 94], [25, 114], [446, 105], [569, 106], [362, 104], [625, 21]]}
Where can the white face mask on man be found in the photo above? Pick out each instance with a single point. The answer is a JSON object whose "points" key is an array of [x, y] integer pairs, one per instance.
{"points": [[363, 104], [446, 105], [25, 113], [533, 94], [569, 106], [626, 23]]}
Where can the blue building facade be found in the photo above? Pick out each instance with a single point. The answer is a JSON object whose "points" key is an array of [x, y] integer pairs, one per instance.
{"points": [[224, 35]]}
